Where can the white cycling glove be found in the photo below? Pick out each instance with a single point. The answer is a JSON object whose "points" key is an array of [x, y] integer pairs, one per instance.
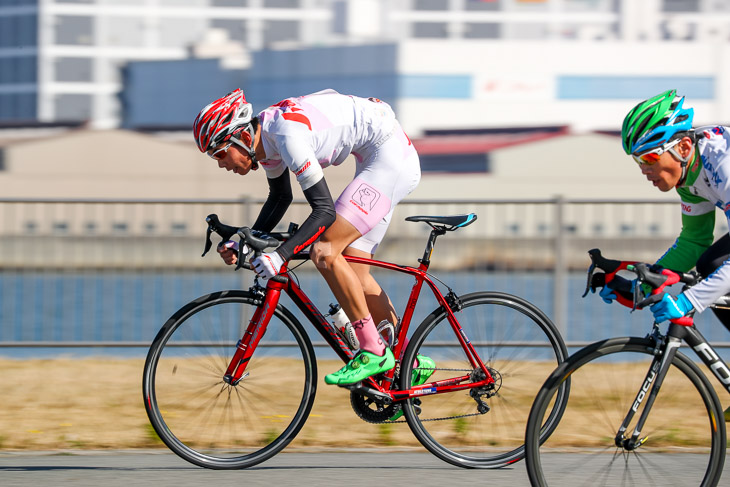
{"points": [[268, 265]]}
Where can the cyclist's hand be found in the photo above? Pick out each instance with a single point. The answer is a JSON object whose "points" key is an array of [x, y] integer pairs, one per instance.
{"points": [[229, 251], [268, 265], [671, 308], [607, 294]]}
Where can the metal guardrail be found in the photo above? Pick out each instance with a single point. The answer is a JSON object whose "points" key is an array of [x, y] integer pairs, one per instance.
{"points": [[97, 255]]}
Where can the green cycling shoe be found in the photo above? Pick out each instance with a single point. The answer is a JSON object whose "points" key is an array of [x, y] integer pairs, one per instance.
{"points": [[420, 374], [362, 366]]}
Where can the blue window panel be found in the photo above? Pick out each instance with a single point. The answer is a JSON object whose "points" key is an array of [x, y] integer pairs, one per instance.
{"points": [[633, 87], [435, 86]]}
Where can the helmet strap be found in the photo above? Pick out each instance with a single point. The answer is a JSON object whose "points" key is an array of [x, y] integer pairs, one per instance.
{"points": [[684, 162], [249, 148]]}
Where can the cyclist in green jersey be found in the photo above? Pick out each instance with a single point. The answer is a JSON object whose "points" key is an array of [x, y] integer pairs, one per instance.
{"points": [[671, 154]]}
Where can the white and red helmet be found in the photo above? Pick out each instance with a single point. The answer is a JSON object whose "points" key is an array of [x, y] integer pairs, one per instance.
{"points": [[218, 121]]}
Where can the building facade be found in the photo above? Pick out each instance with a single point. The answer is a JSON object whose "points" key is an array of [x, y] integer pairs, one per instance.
{"points": [[62, 60]]}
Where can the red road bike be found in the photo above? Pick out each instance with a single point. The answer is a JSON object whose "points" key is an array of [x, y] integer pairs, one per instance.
{"points": [[231, 377]]}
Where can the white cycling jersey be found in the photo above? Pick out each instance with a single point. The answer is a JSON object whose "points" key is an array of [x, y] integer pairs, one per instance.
{"points": [[308, 133], [707, 187]]}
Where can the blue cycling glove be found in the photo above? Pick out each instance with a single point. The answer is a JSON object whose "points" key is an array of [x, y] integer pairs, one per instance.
{"points": [[607, 294], [671, 308]]}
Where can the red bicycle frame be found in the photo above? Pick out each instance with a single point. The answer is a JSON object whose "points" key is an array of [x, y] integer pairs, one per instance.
{"points": [[270, 299]]}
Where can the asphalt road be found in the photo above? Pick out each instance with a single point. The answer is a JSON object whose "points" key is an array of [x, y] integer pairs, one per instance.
{"points": [[159, 469]]}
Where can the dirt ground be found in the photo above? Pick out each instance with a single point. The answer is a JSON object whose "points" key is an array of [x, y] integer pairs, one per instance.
{"points": [[71, 403]]}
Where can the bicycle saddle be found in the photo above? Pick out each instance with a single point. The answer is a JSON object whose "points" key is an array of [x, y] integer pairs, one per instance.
{"points": [[448, 223]]}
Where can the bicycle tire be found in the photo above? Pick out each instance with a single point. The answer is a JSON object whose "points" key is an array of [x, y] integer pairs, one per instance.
{"points": [[519, 343], [214, 424], [606, 378]]}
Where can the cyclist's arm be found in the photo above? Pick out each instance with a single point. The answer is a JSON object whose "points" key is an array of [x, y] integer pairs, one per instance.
{"points": [[696, 237], [698, 225], [716, 284], [322, 216], [277, 202]]}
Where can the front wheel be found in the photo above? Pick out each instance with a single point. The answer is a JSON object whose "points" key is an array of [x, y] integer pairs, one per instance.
{"points": [[684, 433], [482, 428], [214, 424]]}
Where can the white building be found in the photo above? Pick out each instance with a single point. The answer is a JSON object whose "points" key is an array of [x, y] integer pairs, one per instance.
{"points": [[60, 60]]}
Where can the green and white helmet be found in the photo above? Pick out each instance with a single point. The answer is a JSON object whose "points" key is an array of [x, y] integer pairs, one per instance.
{"points": [[654, 122]]}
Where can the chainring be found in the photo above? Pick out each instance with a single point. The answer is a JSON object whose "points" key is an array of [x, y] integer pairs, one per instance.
{"points": [[372, 411]]}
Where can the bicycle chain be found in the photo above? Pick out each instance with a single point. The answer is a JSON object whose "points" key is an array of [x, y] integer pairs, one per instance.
{"points": [[368, 416]]}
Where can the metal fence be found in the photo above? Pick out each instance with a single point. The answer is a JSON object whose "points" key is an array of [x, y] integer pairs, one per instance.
{"points": [[107, 273]]}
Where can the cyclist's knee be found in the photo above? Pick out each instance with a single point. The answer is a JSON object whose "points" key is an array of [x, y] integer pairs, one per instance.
{"points": [[321, 255]]}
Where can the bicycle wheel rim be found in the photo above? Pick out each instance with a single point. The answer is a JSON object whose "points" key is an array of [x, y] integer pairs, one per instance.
{"points": [[519, 345], [213, 424], [685, 431]]}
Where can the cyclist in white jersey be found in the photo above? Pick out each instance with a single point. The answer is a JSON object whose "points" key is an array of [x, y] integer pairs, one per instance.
{"points": [[304, 135], [658, 134]]}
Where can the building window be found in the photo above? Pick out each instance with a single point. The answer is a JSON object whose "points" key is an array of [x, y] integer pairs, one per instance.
{"points": [[123, 32], [280, 30], [229, 3], [180, 32], [73, 107], [627, 229], [479, 5], [236, 29], [178, 228], [74, 69], [120, 228], [74, 30], [455, 163], [281, 4], [90, 228], [513, 229], [428, 30], [681, 5], [31, 227], [431, 5], [482, 31], [655, 229], [60, 228]]}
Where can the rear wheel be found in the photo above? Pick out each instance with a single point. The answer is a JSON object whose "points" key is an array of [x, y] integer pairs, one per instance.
{"points": [[218, 425], [482, 428], [684, 432]]}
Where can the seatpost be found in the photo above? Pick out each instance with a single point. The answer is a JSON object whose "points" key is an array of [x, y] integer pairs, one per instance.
{"points": [[426, 260]]}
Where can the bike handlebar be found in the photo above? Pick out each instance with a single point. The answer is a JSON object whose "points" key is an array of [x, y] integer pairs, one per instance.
{"points": [[258, 241], [655, 276]]}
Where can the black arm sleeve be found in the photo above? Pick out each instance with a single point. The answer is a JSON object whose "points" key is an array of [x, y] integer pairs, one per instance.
{"points": [[278, 201], [322, 217]]}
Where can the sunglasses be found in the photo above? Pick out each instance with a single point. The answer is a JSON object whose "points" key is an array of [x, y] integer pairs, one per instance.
{"points": [[219, 154], [651, 157]]}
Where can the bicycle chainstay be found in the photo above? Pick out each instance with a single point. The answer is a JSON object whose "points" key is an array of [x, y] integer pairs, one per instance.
{"points": [[358, 401]]}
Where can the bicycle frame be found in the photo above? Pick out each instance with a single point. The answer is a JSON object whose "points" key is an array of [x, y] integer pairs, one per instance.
{"points": [[667, 347], [270, 298]]}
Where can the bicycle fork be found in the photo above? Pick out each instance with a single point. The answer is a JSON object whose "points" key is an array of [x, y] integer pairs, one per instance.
{"points": [[251, 337], [647, 395]]}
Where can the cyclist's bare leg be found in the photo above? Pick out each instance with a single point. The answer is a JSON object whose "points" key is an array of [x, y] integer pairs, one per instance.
{"points": [[379, 304], [344, 281]]}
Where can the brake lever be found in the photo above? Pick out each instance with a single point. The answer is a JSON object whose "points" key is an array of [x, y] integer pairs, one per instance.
{"points": [[241, 260], [591, 270], [208, 243]]}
